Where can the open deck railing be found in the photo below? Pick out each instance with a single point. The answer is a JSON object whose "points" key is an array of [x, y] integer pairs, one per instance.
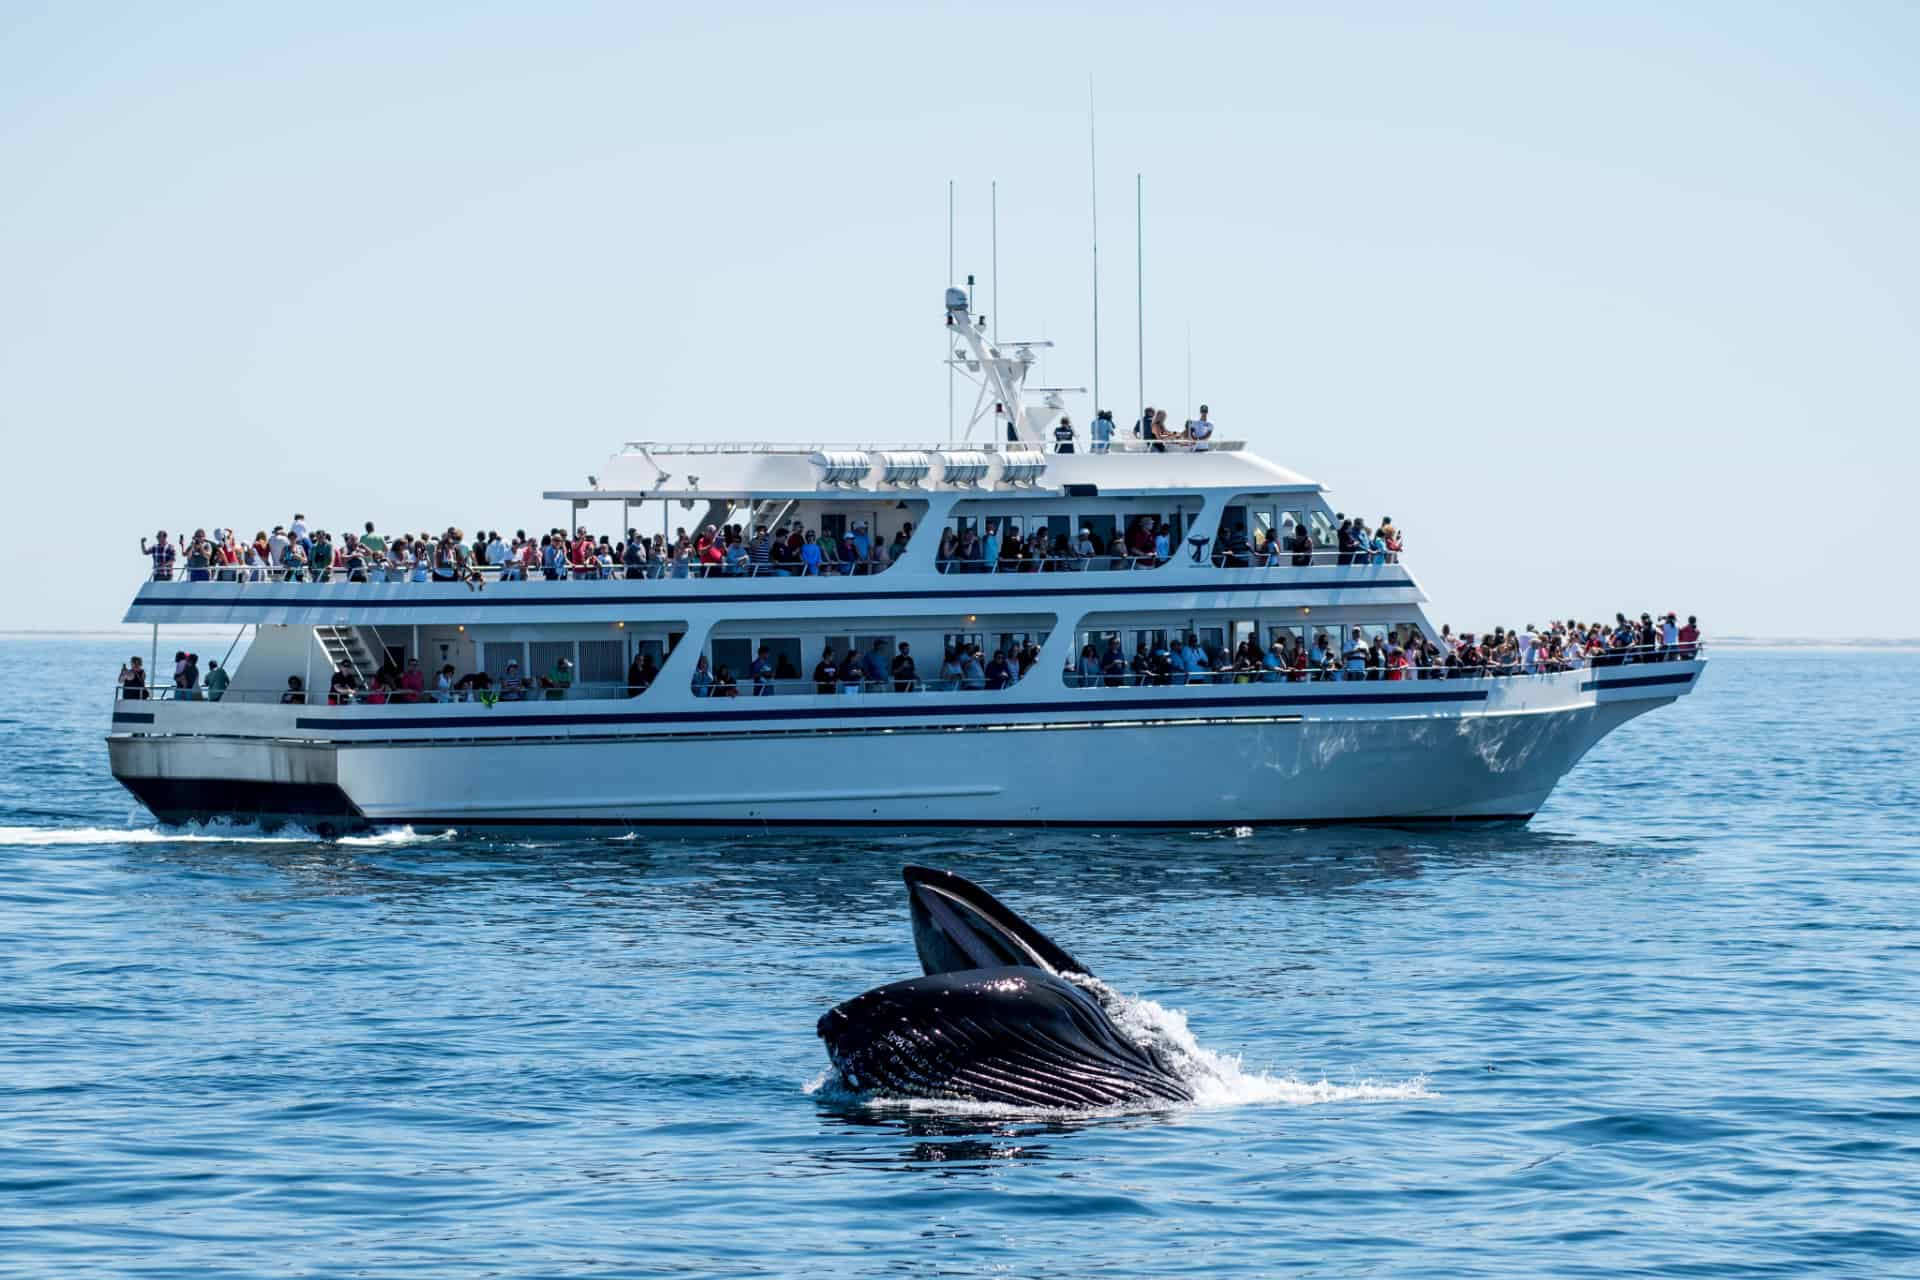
{"points": [[935, 684], [654, 570], [1082, 444]]}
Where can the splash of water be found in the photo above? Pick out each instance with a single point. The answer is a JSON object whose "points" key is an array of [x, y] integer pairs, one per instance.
{"points": [[209, 833], [1222, 1080]]}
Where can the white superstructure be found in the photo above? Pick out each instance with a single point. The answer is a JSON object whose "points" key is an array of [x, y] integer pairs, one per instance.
{"points": [[1055, 747]]}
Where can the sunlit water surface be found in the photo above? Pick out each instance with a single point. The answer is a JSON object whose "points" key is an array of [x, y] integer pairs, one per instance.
{"points": [[1667, 1029]]}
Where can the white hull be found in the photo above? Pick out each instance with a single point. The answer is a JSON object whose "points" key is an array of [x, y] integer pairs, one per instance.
{"points": [[1272, 765]]}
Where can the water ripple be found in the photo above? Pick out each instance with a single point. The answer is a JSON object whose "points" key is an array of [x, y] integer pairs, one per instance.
{"points": [[1668, 1029]]}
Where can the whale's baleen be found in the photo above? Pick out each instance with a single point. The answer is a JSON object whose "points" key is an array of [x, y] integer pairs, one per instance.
{"points": [[995, 1019]]}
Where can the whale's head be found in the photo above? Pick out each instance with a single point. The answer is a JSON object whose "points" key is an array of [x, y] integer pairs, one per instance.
{"points": [[1009, 1035], [958, 925]]}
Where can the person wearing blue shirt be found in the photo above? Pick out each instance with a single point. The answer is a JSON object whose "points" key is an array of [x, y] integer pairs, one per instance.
{"points": [[873, 666], [1102, 430], [1194, 658], [702, 678], [1087, 671], [990, 548], [762, 672]]}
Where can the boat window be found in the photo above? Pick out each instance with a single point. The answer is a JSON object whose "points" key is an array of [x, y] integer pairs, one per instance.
{"points": [[496, 654], [784, 653], [735, 655], [601, 662], [544, 655]]}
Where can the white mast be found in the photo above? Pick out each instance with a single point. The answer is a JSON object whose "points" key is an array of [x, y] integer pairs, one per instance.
{"points": [[1140, 293], [1093, 200], [995, 217], [949, 353]]}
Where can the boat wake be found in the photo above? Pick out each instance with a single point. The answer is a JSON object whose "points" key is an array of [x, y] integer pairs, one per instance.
{"points": [[209, 833], [1218, 1080]]}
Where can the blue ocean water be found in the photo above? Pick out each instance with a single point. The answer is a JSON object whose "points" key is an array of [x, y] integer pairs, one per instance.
{"points": [[1668, 1029]]}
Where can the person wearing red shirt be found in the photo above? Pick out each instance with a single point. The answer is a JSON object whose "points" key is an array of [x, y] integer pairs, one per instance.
{"points": [[1690, 638], [414, 683]]}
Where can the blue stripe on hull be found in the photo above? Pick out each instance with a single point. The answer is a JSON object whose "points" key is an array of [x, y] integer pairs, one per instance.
{"points": [[1144, 710], [1638, 682]]}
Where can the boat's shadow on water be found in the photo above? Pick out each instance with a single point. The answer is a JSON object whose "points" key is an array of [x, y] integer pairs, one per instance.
{"points": [[824, 876]]}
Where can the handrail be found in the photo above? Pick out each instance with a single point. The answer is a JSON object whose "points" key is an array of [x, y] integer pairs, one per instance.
{"points": [[385, 571], [1049, 564], [389, 572], [1123, 441], [1341, 670], [602, 691]]}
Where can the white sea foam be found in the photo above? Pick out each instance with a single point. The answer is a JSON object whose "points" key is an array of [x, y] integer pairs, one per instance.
{"points": [[1221, 1080], [210, 833]]}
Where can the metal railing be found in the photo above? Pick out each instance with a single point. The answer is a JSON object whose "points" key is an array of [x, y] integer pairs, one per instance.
{"points": [[1103, 563], [1345, 672], [381, 570], [1348, 670], [1122, 441], [397, 572], [362, 696]]}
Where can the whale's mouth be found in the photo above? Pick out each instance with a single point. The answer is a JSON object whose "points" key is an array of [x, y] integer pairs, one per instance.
{"points": [[958, 925]]}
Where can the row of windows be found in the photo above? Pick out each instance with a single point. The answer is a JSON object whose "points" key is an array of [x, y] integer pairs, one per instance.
{"points": [[605, 661]]}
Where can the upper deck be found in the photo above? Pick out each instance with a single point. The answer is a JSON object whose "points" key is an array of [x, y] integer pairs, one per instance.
{"points": [[1216, 518], [646, 471]]}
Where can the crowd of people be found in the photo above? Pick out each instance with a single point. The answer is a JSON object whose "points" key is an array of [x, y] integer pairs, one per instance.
{"points": [[1002, 549], [1354, 543], [295, 553], [1148, 543], [1400, 654], [136, 685], [1151, 428]]}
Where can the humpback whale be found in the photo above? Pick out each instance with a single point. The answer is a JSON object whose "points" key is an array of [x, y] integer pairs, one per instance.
{"points": [[997, 1017]]}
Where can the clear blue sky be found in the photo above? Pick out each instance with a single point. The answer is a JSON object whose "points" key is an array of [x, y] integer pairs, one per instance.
{"points": [[1609, 305]]}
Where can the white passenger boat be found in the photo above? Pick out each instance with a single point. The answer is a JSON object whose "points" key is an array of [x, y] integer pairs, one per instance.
{"points": [[1054, 747]]}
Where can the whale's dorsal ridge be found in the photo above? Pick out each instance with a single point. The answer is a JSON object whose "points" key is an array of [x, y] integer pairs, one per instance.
{"points": [[958, 925]]}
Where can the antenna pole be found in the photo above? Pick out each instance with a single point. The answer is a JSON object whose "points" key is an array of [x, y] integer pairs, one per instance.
{"points": [[1140, 292], [1189, 369], [946, 339], [995, 190], [1093, 202]]}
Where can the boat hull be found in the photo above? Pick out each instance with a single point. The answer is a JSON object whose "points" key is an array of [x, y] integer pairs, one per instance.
{"points": [[1256, 770]]}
